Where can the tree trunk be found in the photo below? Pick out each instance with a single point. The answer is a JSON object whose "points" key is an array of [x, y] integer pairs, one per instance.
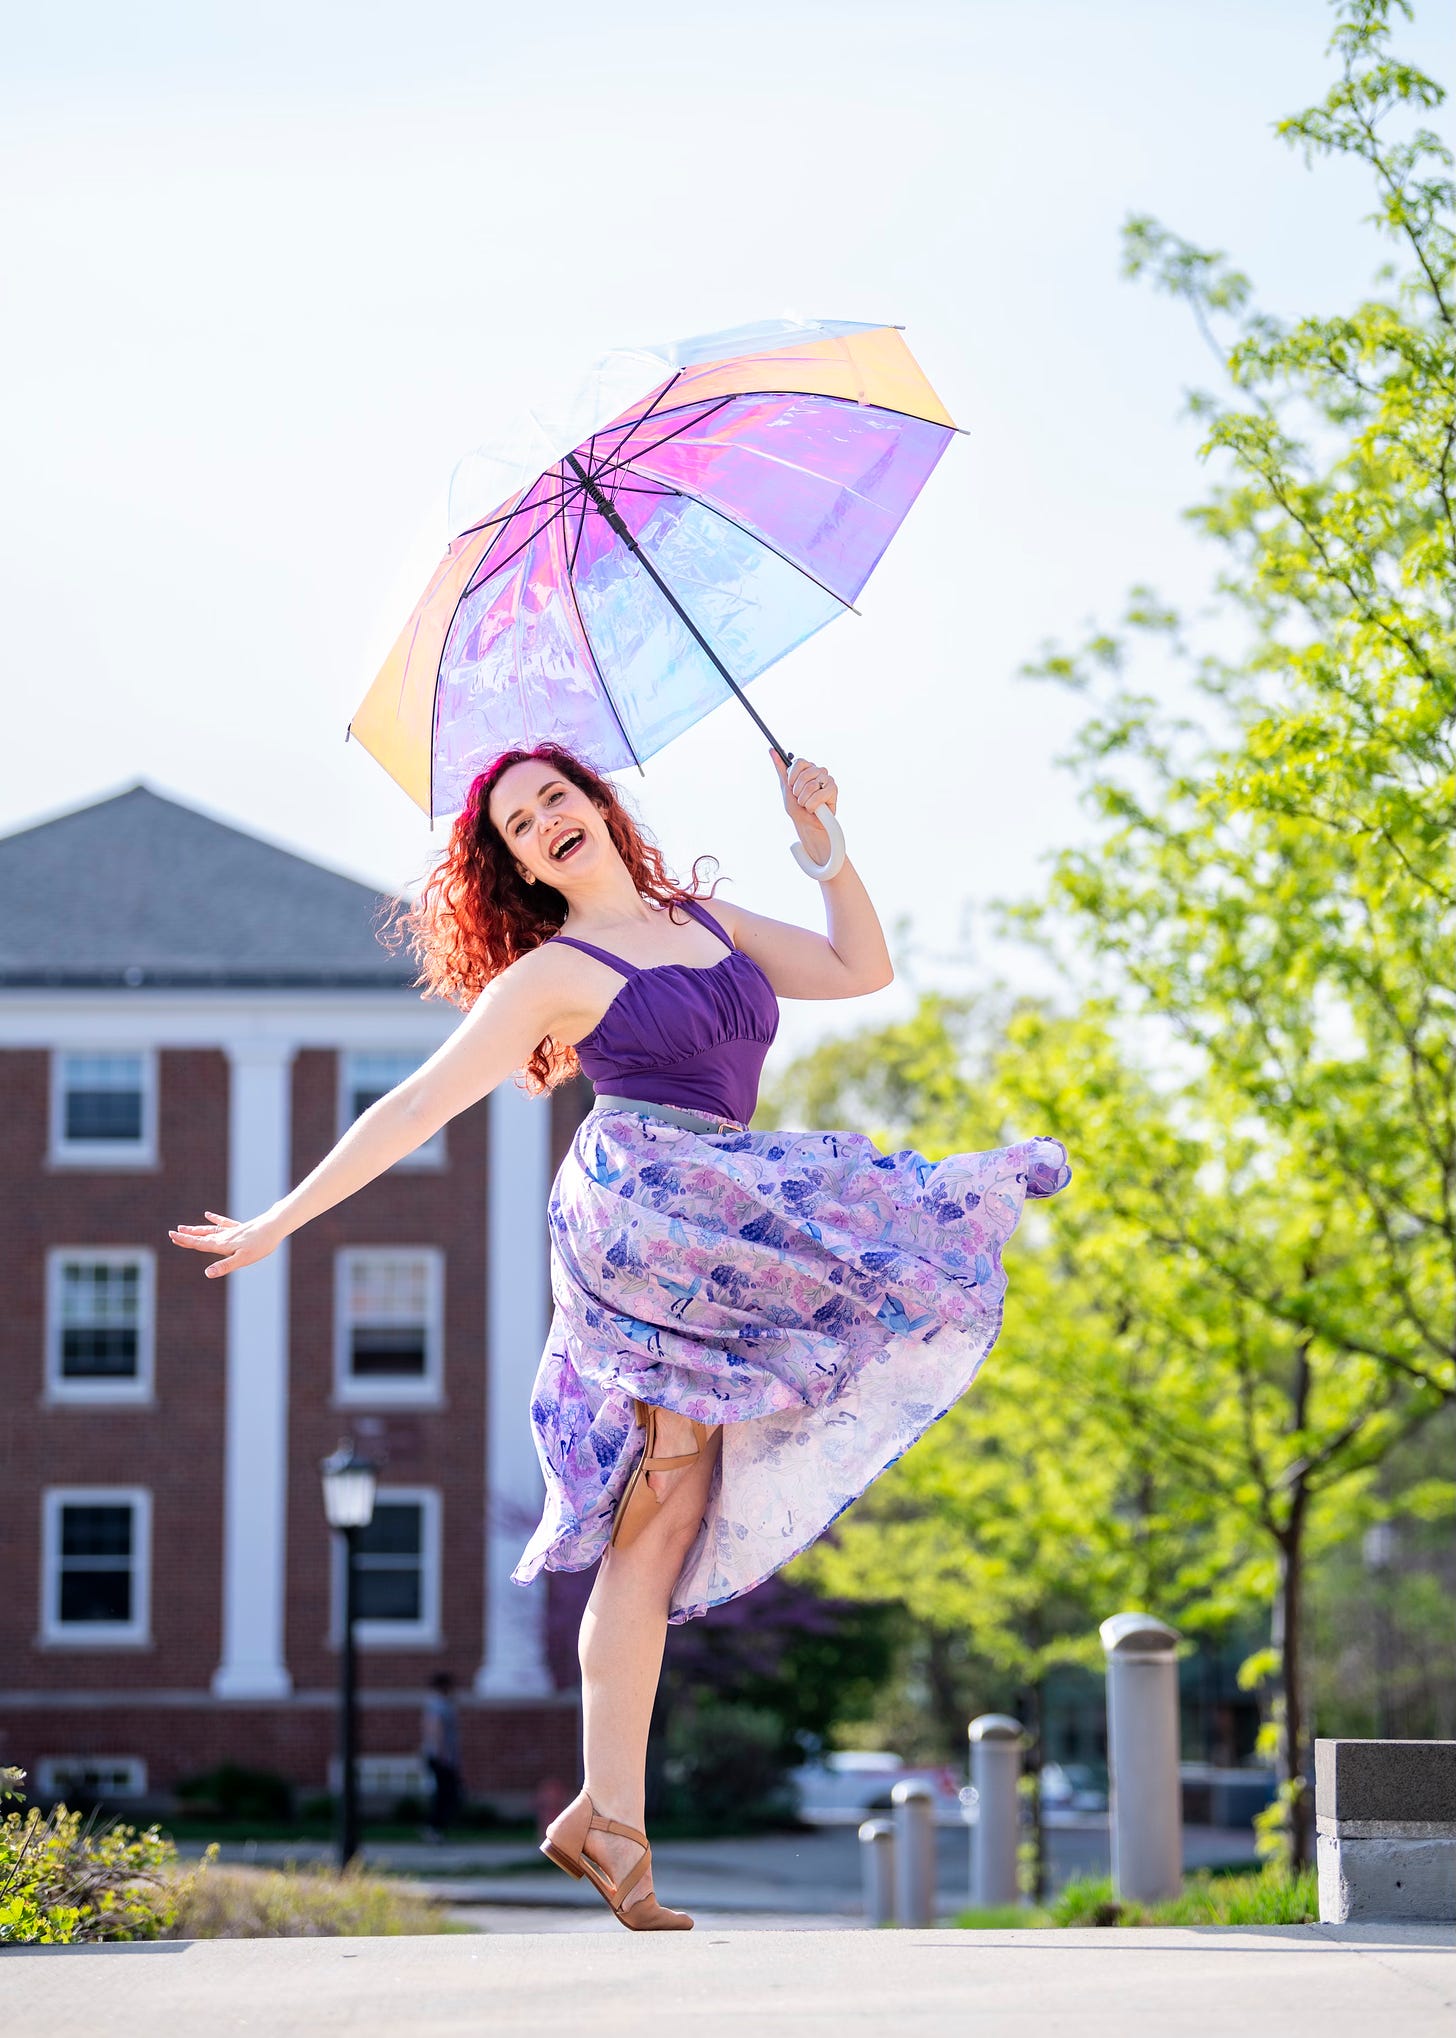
{"points": [[1287, 1636], [1032, 1704], [947, 1706]]}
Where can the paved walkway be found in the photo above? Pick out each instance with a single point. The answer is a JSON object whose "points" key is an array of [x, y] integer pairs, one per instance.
{"points": [[1342, 1982]]}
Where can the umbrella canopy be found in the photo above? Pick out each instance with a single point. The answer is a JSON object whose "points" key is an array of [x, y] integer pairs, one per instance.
{"points": [[705, 528]]}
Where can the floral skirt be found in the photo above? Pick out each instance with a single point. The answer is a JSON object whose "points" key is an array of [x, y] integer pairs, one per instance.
{"points": [[823, 1302]]}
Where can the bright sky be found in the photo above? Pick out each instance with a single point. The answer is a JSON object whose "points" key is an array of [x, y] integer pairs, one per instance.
{"points": [[272, 269]]}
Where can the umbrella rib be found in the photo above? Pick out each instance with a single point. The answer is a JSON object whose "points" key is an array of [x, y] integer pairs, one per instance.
{"points": [[489, 568], [813, 396], [519, 510], [591, 649], [705, 408], [576, 541], [560, 501], [636, 423], [713, 511], [703, 411], [620, 529], [460, 601], [516, 647], [627, 487], [797, 467]]}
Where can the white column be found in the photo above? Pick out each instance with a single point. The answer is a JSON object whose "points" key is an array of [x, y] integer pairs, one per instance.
{"points": [[517, 1319], [256, 1469]]}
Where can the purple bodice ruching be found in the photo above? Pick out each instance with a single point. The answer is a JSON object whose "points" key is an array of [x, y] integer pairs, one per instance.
{"points": [[694, 1036]]}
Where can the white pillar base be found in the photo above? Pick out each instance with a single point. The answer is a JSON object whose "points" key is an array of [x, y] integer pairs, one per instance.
{"points": [[251, 1680], [518, 1672]]}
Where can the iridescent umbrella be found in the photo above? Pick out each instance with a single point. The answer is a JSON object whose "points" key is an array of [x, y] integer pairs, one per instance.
{"points": [[636, 572]]}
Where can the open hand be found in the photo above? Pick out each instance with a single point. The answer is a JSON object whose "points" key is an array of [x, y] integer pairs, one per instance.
{"points": [[806, 786], [240, 1245]]}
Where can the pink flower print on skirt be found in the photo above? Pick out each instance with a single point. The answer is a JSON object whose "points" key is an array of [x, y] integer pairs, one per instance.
{"points": [[824, 1302]]}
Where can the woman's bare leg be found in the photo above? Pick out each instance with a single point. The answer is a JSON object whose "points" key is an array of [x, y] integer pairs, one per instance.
{"points": [[622, 1635]]}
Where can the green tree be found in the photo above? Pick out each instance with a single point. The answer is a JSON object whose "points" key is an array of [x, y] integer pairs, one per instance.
{"points": [[1254, 1276], [1277, 887]]}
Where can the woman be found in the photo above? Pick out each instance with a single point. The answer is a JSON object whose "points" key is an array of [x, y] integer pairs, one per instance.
{"points": [[749, 1326]]}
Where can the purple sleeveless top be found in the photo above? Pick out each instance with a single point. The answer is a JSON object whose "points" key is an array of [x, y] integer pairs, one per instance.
{"points": [[686, 1034]]}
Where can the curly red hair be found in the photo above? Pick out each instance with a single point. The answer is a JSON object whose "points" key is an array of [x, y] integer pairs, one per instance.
{"points": [[475, 915]]}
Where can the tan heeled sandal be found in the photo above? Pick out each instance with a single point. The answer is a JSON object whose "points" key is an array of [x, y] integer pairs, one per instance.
{"points": [[638, 1503], [565, 1844]]}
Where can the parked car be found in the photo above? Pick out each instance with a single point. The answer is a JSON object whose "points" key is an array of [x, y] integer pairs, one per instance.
{"points": [[847, 1785], [1073, 1787]]}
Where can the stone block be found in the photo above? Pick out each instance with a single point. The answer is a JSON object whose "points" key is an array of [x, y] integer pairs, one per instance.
{"points": [[1386, 1881], [1386, 1818], [1403, 1781]]}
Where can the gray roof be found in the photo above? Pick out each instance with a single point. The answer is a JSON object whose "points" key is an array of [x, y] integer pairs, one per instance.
{"points": [[139, 890]]}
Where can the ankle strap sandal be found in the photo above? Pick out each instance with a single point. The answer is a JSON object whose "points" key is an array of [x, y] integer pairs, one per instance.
{"points": [[565, 1844]]}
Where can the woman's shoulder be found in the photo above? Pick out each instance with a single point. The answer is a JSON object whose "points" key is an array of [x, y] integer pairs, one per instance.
{"points": [[541, 972], [720, 913], [548, 987], [552, 961]]}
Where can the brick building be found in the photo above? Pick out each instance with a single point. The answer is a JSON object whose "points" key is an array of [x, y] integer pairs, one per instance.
{"points": [[188, 1018]]}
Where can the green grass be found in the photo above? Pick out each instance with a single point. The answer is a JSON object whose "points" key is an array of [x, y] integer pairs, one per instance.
{"points": [[1264, 1897], [376, 1833]]}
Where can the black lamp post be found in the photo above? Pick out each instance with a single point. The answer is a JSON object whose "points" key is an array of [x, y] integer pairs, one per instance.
{"points": [[349, 1486]]}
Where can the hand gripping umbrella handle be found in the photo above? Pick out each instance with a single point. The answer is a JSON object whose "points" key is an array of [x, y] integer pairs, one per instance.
{"points": [[834, 864]]}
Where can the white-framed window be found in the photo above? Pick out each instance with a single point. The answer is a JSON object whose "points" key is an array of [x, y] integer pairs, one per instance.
{"points": [[389, 1332], [96, 1562], [104, 1108], [88, 1776], [100, 1323], [365, 1077], [398, 1575]]}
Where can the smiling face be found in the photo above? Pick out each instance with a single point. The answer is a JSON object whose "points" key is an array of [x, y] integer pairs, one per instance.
{"points": [[551, 827]]}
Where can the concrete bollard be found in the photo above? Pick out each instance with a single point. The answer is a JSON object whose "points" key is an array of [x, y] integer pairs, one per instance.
{"points": [[1385, 1813], [877, 1866], [996, 1744], [1142, 1754], [914, 1853]]}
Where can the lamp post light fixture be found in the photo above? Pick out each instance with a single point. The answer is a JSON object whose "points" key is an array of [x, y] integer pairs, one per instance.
{"points": [[350, 1482]]}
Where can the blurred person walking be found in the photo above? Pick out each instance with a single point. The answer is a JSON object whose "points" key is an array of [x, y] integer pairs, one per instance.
{"points": [[440, 1747]]}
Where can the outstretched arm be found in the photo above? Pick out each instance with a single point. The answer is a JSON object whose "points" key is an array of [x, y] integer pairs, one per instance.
{"points": [[851, 957], [525, 1003]]}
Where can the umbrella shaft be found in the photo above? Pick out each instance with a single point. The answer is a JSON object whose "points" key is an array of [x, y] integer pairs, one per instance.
{"points": [[607, 509]]}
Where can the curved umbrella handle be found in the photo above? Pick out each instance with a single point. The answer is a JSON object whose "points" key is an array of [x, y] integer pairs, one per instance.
{"points": [[826, 816]]}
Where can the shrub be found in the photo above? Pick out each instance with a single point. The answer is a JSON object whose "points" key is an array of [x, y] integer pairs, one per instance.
{"points": [[237, 1795], [255, 1903], [724, 1764], [63, 1879]]}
